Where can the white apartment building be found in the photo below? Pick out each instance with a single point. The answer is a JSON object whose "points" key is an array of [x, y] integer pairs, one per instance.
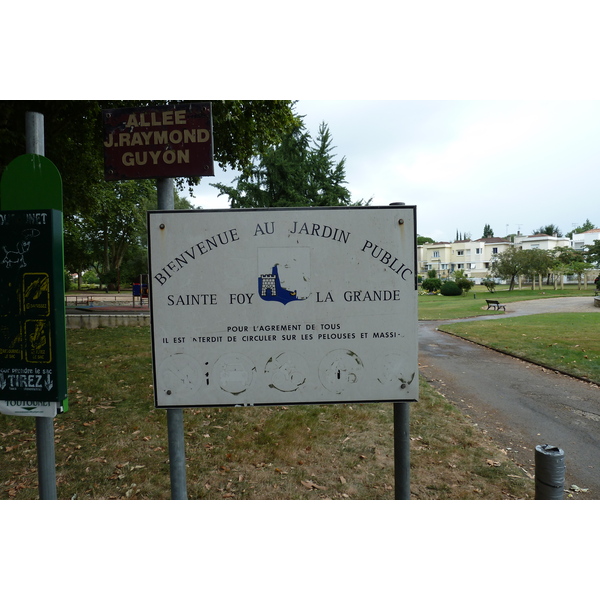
{"points": [[472, 257], [587, 238], [541, 241]]}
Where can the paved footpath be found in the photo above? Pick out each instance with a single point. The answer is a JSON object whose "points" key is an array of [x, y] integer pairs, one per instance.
{"points": [[517, 404]]}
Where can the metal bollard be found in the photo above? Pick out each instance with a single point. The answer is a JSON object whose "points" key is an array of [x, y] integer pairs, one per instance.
{"points": [[549, 472]]}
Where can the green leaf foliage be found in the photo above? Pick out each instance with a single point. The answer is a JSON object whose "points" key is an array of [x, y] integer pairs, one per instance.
{"points": [[422, 239], [551, 230], [490, 284], [431, 284], [104, 222], [73, 134], [450, 288], [592, 253], [296, 172]]}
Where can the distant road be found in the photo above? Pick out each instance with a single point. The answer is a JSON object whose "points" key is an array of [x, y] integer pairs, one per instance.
{"points": [[520, 405]]}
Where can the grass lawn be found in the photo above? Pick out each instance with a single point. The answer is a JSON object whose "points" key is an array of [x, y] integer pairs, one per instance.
{"points": [[472, 304], [112, 443], [568, 342]]}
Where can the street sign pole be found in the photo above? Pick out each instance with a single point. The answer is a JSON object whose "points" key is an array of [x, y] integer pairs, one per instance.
{"points": [[402, 450], [175, 429], [401, 442], [161, 143], [44, 426]]}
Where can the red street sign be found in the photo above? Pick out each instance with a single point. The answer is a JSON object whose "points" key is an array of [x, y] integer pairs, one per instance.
{"points": [[158, 141]]}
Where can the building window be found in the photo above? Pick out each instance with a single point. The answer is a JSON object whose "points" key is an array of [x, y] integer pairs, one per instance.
{"points": [[436, 254], [494, 250], [460, 252], [477, 250]]}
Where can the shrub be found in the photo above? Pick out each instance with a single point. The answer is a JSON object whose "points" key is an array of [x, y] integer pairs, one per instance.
{"points": [[431, 284], [450, 288], [464, 284], [490, 284]]}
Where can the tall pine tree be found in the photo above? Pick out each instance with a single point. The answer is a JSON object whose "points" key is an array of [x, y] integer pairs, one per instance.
{"points": [[488, 232], [296, 172]]}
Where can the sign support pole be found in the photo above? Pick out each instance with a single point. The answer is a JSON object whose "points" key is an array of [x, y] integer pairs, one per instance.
{"points": [[402, 450], [44, 426], [401, 442], [166, 201], [44, 431]]}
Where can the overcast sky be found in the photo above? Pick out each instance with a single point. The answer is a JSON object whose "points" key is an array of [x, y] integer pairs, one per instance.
{"points": [[515, 165]]}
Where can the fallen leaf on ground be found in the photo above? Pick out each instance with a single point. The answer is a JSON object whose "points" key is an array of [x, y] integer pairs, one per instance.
{"points": [[311, 485]]}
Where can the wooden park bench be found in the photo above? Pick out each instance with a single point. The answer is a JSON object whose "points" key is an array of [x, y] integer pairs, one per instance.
{"points": [[495, 304]]}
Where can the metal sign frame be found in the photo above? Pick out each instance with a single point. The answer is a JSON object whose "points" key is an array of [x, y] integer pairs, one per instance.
{"points": [[283, 306]]}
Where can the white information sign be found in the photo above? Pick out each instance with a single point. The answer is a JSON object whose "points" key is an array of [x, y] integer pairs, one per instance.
{"points": [[28, 408], [283, 306]]}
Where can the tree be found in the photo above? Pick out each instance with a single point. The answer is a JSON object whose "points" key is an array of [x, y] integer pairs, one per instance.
{"points": [[431, 285], [568, 261], [463, 282], [508, 265], [490, 284], [73, 137], [579, 268], [488, 232], [537, 262], [292, 173], [424, 240], [77, 251], [592, 253], [560, 264], [551, 230], [581, 229], [326, 176], [116, 223], [113, 231], [463, 237]]}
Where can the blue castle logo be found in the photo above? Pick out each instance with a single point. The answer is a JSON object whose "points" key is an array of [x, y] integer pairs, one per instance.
{"points": [[270, 289]]}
